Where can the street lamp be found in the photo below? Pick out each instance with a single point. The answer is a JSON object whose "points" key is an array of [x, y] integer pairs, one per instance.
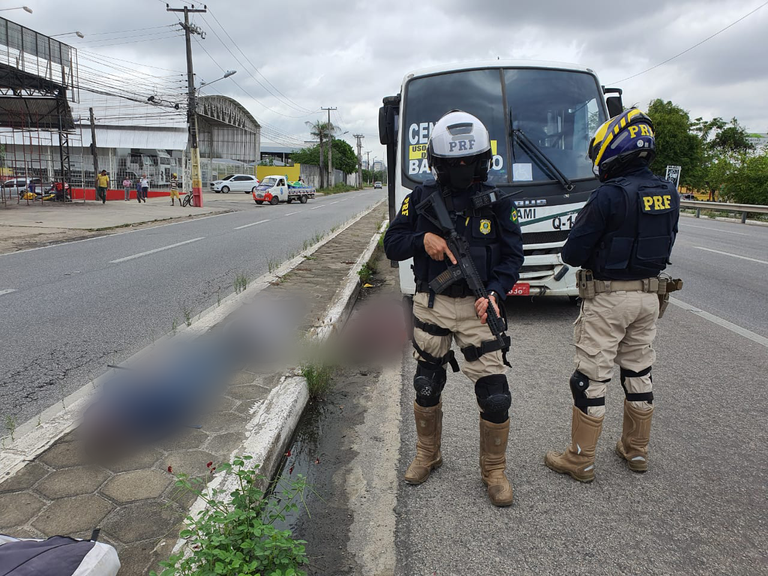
{"points": [[25, 8], [76, 33], [227, 74]]}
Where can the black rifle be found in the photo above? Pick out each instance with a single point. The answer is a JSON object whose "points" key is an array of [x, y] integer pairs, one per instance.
{"points": [[463, 269]]}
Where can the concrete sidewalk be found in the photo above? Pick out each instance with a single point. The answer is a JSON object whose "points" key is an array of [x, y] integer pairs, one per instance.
{"points": [[134, 500], [33, 224]]}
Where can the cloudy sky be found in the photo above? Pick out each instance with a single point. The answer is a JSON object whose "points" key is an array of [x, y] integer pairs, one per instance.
{"points": [[295, 56]]}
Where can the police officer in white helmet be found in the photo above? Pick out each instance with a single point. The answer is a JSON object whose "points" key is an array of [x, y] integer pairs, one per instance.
{"points": [[459, 154]]}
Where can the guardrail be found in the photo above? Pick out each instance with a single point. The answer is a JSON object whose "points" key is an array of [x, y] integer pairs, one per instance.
{"points": [[725, 207]]}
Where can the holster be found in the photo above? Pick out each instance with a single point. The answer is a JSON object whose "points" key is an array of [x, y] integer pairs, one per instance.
{"points": [[586, 284], [667, 285]]}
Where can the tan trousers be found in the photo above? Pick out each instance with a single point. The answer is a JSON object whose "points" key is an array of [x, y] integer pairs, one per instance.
{"points": [[616, 327], [457, 315]]}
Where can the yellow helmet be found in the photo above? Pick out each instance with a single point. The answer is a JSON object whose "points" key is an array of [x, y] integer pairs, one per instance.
{"points": [[620, 141]]}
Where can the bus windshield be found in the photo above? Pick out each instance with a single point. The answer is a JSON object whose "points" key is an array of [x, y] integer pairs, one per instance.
{"points": [[558, 110]]}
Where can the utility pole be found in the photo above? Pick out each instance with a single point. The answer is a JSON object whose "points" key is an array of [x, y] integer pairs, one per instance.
{"points": [[194, 152], [370, 172], [93, 151], [330, 147], [359, 138]]}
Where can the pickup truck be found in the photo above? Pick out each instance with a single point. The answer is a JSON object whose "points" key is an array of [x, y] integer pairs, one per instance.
{"points": [[276, 189]]}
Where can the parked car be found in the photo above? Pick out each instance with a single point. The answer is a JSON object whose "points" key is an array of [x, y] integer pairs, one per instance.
{"points": [[20, 185], [235, 182], [376, 185]]}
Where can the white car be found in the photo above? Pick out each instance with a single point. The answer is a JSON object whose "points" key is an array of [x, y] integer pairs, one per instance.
{"points": [[236, 183]]}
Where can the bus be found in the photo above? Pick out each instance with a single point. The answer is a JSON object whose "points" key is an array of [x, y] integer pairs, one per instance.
{"points": [[541, 117]]}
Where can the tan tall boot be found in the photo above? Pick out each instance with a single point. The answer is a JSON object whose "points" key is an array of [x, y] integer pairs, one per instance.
{"points": [[633, 445], [493, 461], [429, 428], [578, 460]]}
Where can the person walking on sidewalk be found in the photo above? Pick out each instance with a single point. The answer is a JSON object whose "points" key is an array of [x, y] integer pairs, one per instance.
{"points": [[459, 153], [175, 189], [622, 239], [127, 183], [102, 184], [144, 187]]}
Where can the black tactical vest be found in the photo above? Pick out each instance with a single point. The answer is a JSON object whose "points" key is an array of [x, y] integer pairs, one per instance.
{"points": [[641, 246], [479, 226]]}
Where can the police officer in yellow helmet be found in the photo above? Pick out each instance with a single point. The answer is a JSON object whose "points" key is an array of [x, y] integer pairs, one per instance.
{"points": [[622, 240]]}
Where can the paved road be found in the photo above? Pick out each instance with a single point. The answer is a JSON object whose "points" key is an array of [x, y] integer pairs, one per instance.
{"points": [[725, 269], [68, 310], [700, 509]]}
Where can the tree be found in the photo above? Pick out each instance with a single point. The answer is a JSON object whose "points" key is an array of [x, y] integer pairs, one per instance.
{"points": [[344, 157], [676, 143], [747, 182]]}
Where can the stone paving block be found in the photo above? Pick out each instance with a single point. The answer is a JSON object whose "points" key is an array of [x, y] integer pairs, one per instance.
{"points": [[72, 482], [18, 508], [137, 485], [24, 478], [72, 515], [191, 462], [219, 422], [64, 455], [184, 439], [146, 520], [225, 404], [135, 560], [143, 459], [250, 393], [224, 444]]}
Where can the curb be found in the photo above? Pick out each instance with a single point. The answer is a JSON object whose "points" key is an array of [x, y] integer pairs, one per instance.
{"points": [[40, 432], [275, 419]]}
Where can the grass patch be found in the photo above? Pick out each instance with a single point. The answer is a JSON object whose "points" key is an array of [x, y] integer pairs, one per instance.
{"points": [[367, 271], [10, 425], [319, 378], [337, 188], [186, 311], [241, 282]]}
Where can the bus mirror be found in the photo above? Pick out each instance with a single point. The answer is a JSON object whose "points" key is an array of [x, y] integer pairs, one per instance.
{"points": [[386, 125], [615, 105]]}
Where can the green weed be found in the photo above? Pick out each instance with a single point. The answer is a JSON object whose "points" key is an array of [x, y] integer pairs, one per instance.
{"points": [[319, 378]]}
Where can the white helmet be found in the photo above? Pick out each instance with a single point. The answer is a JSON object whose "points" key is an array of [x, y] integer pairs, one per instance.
{"points": [[459, 150]]}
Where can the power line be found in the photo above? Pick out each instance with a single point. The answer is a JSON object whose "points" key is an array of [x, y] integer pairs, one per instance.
{"points": [[298, 106], [692, 47], [256, 79]]}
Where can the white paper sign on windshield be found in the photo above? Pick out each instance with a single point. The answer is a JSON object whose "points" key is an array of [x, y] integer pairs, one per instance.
{"points": [[522, 172]]}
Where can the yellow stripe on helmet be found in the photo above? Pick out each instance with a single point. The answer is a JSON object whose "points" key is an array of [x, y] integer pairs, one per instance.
{"points": [[606, 132]]}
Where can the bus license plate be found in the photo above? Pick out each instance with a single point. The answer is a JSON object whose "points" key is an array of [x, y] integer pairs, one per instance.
{"points": [[520, 289]]}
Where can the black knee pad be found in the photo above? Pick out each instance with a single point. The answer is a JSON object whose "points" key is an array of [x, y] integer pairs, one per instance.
{"points": [[640, 397], [494, 398], [579, 384], [428, 382]]}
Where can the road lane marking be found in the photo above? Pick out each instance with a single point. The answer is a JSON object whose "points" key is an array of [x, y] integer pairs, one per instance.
{"points": [[721, 322], [7, 291], [291, 213], [714, 229], [734, 255], [155, 250], [332, 203], [251, 224], [315, 207]]}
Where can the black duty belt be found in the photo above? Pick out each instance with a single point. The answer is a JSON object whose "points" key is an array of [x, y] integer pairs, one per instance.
{"points": [[458, 290]]}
